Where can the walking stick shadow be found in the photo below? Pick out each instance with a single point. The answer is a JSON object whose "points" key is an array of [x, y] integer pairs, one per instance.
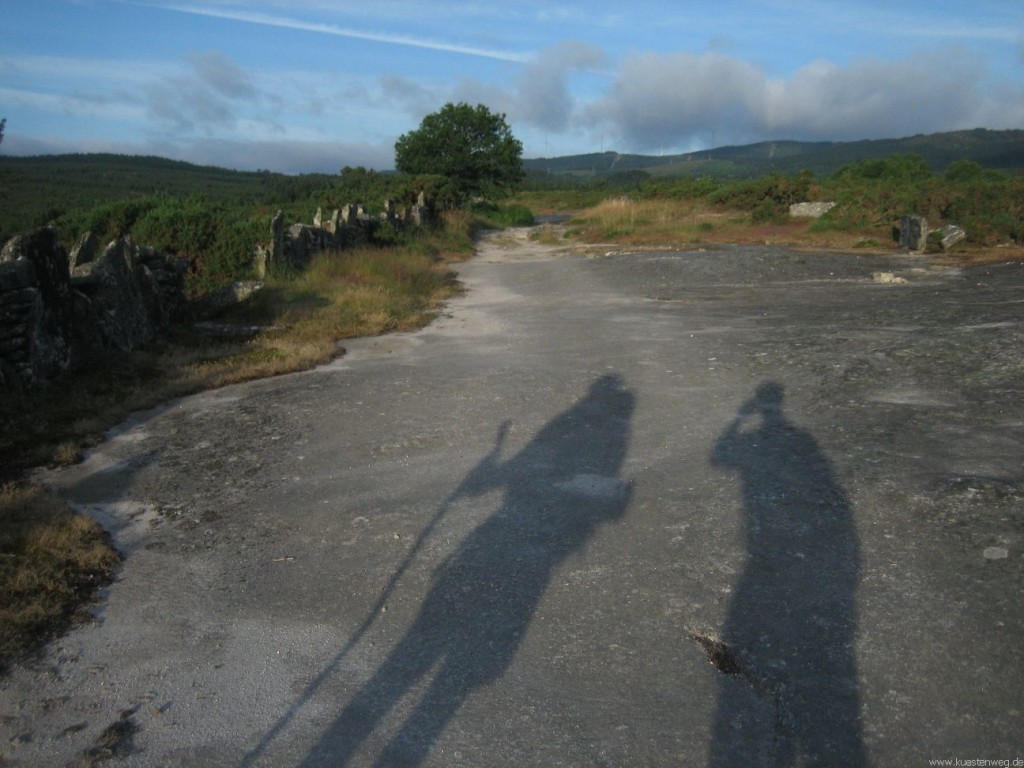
{"points": [[558, 490], [788, 694]]}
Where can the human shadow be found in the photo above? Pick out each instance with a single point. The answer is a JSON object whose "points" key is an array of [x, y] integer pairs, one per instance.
{"points": [[789, 692], [558, 490]]}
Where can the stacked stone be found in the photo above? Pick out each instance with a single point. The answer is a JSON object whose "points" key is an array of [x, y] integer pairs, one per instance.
{"points": [[56, 309]]}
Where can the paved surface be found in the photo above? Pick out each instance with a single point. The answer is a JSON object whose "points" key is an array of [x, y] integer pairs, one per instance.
{"points": [[739, 506]]}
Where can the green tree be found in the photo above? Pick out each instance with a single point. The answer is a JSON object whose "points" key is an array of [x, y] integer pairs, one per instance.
{"points": [[3, 124], [470, 146]]}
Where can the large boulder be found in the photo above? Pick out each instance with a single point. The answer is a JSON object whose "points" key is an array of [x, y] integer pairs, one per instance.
{"points": [[122, 295]]}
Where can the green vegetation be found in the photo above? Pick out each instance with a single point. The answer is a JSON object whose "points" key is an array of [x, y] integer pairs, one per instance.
{"points": [[470, 147], [871, 195]]}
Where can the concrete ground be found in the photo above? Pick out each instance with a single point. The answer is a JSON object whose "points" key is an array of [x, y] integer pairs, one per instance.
{"points": [[724, 506]]}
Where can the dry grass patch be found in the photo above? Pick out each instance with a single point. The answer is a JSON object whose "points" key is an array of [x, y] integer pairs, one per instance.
{"points": [[51, 559], [692, 221], [652, 221]]}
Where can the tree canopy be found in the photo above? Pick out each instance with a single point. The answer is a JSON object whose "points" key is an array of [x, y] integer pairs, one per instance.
{"points": [[473, 148]]}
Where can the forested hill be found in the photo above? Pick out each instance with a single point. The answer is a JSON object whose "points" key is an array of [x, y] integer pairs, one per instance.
{"points": [[1003, 150], [38, 189]]}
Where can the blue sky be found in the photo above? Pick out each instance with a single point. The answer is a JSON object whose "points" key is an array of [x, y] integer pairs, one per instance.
{"points": [[314, 85]]}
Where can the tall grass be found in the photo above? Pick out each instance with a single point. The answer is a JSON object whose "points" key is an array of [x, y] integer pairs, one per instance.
{"points": [[648, 221]]}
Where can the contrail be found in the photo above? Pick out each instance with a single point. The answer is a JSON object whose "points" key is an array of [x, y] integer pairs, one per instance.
{"points": [[283, 22]]}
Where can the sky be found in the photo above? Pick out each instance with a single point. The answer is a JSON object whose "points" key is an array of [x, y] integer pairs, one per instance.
{"points": [[300, 86]]}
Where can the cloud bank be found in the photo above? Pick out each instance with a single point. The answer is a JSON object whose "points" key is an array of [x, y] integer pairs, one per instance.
{"points": [[657, 101]]}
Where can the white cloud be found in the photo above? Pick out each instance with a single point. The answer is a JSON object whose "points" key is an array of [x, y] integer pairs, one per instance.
{"points": [[542, 97], [671, 101], [208, 96]]}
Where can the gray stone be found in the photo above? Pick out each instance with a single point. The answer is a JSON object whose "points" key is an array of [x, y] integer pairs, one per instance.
{"points": [[53, 315], [121, 295], [84, 250], [913, 232], [951, 235], [276, 251], [15, 275], [810, 210], [220, 300]]}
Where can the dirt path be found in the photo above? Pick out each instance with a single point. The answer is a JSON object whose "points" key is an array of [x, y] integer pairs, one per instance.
{"points": [[519, 536]]}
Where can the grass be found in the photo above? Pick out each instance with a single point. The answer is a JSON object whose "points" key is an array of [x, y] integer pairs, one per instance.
{"points": [[696, 221], [652, 221], [52, 558]]}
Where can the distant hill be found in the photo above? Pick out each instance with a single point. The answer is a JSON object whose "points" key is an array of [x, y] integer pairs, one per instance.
{"points": [[38, 189], [1003, 150]]}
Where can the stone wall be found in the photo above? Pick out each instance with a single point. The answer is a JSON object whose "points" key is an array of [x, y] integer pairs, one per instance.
{"points": [[346, 227], [57, 308]]}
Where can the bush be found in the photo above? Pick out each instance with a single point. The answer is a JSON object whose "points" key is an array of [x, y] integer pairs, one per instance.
{"points": [[229, 255], [182, 226], [510, 215], [108, 221], [768, 197]]}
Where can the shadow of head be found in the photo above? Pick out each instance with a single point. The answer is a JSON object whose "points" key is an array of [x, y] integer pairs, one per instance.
{"points": [[767, 399]]}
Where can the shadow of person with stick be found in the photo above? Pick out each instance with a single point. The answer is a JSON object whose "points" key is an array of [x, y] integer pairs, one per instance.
{"points": [[789, 692], [558, 490]]}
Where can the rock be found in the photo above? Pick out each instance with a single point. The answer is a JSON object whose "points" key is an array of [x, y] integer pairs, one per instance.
{"points": [[951, 235], [122, 296], [996, 553], [53, 317], [887, 278], [213, 303], [16, 275], [36, 307], [276, 253], [913, 232], [84, 250], [810, 210]]}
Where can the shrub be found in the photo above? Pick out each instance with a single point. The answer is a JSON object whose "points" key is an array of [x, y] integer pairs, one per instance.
{"points": [[510, 215]]}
